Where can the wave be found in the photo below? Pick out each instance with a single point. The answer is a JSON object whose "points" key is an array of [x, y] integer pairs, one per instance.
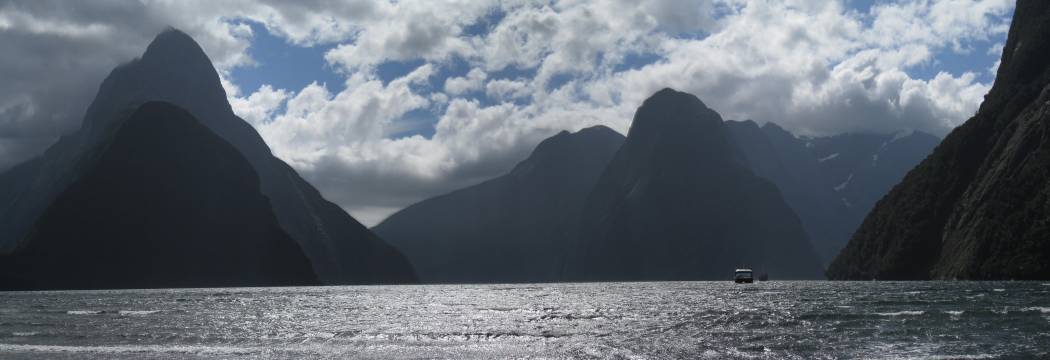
{"points": [[126, 349], [902, 313], [953, 357], [121, 312], [320, 335]]}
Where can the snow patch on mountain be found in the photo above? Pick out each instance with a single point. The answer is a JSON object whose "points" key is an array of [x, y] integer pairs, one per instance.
{"points": [[843, 185], [829, 157]]}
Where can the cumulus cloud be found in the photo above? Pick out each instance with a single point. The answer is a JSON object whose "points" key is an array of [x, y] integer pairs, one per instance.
{"points": [[318, 123], [259, 107], [460, 85], [409, 30], [536, 67], [504, 89]]}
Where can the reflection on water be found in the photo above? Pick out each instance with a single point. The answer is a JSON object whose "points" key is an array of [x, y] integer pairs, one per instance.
{"points": [[616, 320]]}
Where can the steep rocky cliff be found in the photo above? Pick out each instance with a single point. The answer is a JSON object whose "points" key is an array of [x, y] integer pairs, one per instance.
{"points": [[979, 206]]}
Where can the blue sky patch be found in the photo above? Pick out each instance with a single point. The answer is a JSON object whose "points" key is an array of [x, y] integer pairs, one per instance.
{"points": [[285, 66]]}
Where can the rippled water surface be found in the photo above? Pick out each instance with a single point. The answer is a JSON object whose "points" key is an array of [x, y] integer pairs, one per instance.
{"points": [[616, 320]]}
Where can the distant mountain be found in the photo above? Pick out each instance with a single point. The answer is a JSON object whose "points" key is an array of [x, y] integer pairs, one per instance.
{"points": [[514, 228], [780, 157], [175, 69], [161, 202], [979, 206], [863, 167], [679, 201], [830, 182]]}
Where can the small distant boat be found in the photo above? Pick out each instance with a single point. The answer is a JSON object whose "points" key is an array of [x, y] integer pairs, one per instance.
{"points": [[744, 275], [763, 277]]}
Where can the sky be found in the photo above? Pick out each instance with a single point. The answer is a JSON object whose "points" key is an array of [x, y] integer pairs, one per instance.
{"points": [[381, 104]]}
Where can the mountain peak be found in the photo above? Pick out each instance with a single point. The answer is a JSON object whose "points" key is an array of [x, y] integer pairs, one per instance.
{"points": [[173, 69], [773, 129], [559, 140], [558, 148], [673, 111], [750, 124], [173, 35], [175, 45], [769, 125], [672, 96], [679, 123], [668, 91], [600, 130]]}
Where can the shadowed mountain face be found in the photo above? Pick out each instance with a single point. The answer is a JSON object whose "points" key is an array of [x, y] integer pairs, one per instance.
{"points": [[979, 206], [830, 182], [175, 69], [679, 202], [514, 228], [784, 160], [862, 168], [161, 201]]}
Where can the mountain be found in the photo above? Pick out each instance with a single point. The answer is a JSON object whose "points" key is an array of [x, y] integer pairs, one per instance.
{"points": [[678, 201], [160, 202], [830, 182], [979, 206], [514, 228], [778, 156], [863, 167], [175, 69]]}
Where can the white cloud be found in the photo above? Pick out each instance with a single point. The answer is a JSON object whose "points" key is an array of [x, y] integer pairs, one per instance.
{"points": [[995, 50], [504, 89], [409, 30], [461, 85], [259, 107], [815, 67], [319, 124]]}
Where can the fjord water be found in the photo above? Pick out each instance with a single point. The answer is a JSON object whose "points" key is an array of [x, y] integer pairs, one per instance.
{"points": [[814, 319]]}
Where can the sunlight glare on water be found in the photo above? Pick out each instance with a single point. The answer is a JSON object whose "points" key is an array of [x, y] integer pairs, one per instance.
{"points": [[611, 320]]}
